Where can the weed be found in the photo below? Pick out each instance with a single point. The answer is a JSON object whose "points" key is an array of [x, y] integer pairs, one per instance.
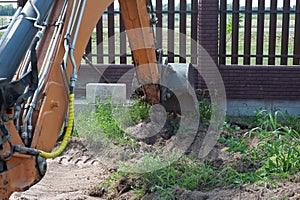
{"points": [[150, 162], [186, 172], [234, 144], [86, 126], [103, 124], [204, 110], [111, 127], [278, 149], [276, 153], [139, 110]]}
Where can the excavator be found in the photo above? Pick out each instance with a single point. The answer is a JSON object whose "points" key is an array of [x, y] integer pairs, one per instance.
{"points": [[40, 54]]}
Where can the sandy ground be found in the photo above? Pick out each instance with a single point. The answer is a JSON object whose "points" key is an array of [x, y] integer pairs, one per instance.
{"points": [[69, 176], [76, 174], [63, 182]]}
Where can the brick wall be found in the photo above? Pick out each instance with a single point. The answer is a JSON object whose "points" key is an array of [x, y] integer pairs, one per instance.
{"points": [[114, 74], [261, 82], [241, 82]]}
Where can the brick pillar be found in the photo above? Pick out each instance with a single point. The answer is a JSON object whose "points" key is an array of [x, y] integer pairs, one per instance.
{"points": [[207, 38], [208, 27], [21, 3]]}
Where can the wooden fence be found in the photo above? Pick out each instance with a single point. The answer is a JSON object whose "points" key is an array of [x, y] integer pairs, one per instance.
{"points": [[107, 45], [258, 33]]}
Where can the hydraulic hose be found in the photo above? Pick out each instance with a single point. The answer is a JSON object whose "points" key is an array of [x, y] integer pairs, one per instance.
{"points": [[73, 78], [69, 129]]}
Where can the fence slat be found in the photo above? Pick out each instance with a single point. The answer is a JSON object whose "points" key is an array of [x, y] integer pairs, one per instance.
{"points": [[99, 40], [297, 35], [260, 32], [194, 31], [182, 39], [285, 32], [88, 49], [109, 25], [222, 42], [111, 33], [247, 34], [235, 32], [123, 59], [272, 32], [159, 24], [171, 22]]}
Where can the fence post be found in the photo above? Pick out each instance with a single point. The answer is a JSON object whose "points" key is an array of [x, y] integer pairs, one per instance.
{"points": [[208, 27], [207, 37]]}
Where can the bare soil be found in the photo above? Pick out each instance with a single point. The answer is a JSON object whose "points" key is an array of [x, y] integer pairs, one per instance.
{"points": [[77, 174]]}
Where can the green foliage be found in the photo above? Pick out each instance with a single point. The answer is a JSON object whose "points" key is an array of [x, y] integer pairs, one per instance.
{"points": [[278, 149], [185, 172], [204, 106], [86, 126], [204, 110], [110, 126], [277, 152], [109, 121], [235, 144], [268, 120], [7, 10], [139, 110], [188, 173]]}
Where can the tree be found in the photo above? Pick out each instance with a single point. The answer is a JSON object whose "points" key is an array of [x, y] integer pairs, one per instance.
{"points": [[7, 10]]}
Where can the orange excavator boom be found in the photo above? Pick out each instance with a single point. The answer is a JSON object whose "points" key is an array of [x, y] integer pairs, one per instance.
{"points": [[40, 54], [56, 32]]}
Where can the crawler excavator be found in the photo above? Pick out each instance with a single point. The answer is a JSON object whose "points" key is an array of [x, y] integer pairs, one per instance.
{"points": [[40, 54]]}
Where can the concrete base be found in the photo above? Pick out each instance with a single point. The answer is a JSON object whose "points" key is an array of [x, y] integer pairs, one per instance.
{"points": [[106, 92], [239, 108], [100, 93], [82, 106]]}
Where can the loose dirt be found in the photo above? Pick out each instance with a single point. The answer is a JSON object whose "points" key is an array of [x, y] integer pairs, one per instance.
{"points": [[77, 174], [69, 176]]}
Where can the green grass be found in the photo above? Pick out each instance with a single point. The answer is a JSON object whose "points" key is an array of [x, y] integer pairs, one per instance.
{"points": [[109, 121], [276, 154], [277, 151], [188, 173]]}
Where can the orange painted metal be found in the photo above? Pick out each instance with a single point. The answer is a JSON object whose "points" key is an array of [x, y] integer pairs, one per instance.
{"points": [[22, 171], [49, 115], [141, 40]]}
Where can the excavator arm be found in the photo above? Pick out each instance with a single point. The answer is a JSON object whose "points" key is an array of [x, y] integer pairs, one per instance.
{"points": [[40, 54], [57, 32]]}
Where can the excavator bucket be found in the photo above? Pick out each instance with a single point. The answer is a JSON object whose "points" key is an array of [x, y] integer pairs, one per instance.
{"points": [[176, 82], [177, 88]]}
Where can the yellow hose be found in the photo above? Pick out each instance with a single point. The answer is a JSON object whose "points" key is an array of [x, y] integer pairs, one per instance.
{"points": [[64, 142]]}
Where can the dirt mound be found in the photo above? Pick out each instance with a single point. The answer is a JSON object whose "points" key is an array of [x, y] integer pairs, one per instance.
{"points": [[287, 190]]}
